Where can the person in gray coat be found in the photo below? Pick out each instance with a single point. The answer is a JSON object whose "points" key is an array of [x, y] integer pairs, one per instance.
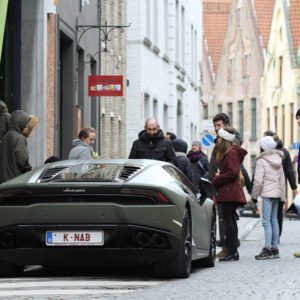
{"points": [[83, 146], [4, 119], [183, 163], [14, 159]]}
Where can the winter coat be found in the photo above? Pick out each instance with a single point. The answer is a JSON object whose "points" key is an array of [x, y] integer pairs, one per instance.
{"points": [[287, 166], [227, 182], [14, 158], [213, 163], [81, 150], [4, 119], [158, 148], [184, 165], [200, 166], [269, 179]]}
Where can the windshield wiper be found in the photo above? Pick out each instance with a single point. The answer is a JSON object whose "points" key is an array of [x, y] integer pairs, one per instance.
{"points": [[84, 180]]}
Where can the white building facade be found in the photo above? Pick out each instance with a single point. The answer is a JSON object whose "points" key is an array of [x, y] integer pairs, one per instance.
{"points": [[163, 66]]}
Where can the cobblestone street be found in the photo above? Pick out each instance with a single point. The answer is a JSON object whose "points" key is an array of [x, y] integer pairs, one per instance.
{"points": [[245, 279]]}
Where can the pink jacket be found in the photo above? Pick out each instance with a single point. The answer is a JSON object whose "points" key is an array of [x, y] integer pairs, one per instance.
{"points": [[269, 180]]}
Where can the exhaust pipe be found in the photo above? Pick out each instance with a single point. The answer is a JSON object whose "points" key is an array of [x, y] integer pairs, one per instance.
{"points": [[7, 240], [143, 239], [158, 241]]}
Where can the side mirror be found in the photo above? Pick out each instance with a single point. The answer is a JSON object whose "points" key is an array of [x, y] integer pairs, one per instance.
{"points": [[207, 190]]}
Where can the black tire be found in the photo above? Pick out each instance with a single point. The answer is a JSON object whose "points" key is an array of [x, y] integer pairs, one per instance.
{"points": [[9, 269], [209, 261], [180, 266]]}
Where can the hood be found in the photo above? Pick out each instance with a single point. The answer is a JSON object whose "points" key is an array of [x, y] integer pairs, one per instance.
{"points": [[22, 122], [240, 151], [279, 145], [180, 145], [273, 157], [78, 142], [143, 136], [238, 139], [3, 108]]}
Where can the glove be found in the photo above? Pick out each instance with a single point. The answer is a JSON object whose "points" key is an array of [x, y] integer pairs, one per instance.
{"points": [[254, 200]]}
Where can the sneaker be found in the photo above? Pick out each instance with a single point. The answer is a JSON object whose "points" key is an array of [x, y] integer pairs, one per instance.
{"points": [[230, 257], [224, 252], [265, 254], [275, 252], [297, 254]]}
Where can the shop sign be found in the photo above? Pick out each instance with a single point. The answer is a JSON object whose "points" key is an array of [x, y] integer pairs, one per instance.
{"points": [[105, 85]]}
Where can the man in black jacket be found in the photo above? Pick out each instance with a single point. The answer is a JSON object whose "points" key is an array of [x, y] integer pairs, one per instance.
{"points": [[152, 144], [4, 119]]}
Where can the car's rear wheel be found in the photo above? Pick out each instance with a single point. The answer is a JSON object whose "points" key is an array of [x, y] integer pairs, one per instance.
{"points": [[209, 261], [180, 266], [9, 269]]}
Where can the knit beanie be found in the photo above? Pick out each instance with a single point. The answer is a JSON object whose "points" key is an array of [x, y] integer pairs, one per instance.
{"points": [[268, 143], [197, 143], [298, 113]]}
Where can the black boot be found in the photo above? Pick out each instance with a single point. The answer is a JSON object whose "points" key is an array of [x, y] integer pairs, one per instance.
{"points": [[230, 257]]}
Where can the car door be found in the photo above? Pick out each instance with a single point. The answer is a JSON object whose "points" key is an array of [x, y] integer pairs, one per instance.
{"points": [[200, 214]]}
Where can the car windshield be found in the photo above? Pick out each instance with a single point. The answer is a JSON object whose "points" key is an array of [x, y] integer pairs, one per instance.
{"points": [[88, 172]]}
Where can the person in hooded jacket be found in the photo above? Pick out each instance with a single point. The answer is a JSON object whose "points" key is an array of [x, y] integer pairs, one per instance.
{"points": [[288, 173], [4, 119], [230, 193], [199, 163], [83, 146], [14, 158], [152, 144], [183, 163], [269, 183]]}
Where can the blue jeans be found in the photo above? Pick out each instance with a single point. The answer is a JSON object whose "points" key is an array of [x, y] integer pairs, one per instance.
{"points": [[270, 221]]}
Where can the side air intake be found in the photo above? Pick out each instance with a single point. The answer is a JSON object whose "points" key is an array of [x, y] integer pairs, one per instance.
{"points": [[50, 173], [128, 171]]}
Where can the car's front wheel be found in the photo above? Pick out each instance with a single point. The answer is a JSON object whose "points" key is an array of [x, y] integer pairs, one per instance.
{"points": [[180, 266], [9, 269]]}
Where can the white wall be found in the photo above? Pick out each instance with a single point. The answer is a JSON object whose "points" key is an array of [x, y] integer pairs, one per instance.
{"points": [[152, 67]]}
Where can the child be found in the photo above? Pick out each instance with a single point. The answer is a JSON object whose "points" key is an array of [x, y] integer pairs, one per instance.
{"points": [[269, 183]]}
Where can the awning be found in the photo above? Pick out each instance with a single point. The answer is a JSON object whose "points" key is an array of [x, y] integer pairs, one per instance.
{"points": [[3, 11]]}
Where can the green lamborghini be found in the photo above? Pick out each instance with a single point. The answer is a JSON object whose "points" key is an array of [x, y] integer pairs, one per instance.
{"points": [[106, 212]]}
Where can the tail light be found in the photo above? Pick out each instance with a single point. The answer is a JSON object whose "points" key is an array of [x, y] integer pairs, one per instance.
{"points": [[158, 196]]}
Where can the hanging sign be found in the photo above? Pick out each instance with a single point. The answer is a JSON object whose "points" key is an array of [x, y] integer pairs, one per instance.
{"points": [[104, 85]]}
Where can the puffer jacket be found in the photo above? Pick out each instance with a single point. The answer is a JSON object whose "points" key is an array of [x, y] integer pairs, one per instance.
{"points": [[269, 179], [80, 150], [4, 119], [14, 158]]}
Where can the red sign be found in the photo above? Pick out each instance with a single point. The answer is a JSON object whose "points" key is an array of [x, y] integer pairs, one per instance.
{"points": [[102, 85]]}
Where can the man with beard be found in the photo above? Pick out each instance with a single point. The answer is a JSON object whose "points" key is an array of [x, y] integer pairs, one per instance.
{"points": [[152, 144]]}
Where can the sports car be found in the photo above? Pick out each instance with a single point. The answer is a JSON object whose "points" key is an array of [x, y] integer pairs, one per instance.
{"points": [[105, 212]]}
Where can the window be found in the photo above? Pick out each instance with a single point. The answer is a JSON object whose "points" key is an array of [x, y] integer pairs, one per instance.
{"points": [[253, 119], [146, 106], [280, 70], [241, 118], [166, 117], [246, 65], [268, 118], [177, 34], [155, 108], [230, 112], [184, 183], [220, 108], [230, 71], [276, 117], [238, 18], [205, 111], [192, 51]]}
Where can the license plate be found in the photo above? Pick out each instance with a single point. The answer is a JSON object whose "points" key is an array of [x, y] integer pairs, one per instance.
{"points": [[74, 238]]}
